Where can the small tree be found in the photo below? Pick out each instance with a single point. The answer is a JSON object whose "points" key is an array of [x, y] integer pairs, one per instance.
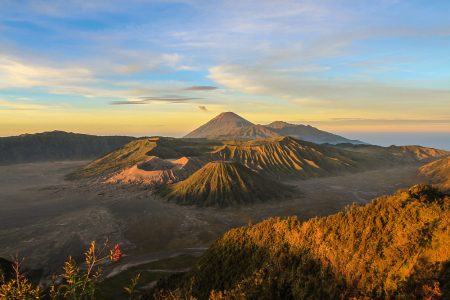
{"points": [[76, 283]]}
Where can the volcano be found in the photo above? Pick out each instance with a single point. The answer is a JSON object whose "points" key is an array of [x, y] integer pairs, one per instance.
{"points": [[223, 183], [228, 125]]}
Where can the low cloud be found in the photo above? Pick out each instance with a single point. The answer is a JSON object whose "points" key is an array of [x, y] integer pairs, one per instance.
{"points": [[202, 108]]}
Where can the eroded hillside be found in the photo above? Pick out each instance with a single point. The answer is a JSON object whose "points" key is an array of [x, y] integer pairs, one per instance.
{"points": [[222, 183]]}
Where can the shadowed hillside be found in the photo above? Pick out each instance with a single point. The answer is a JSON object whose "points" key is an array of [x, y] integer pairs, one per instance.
{"points": [[56, 145], [223, 183], [395, 247], [438, 172]]}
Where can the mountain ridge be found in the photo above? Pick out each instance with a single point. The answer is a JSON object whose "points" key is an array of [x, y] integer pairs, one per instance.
{"points": [[229, 125]]}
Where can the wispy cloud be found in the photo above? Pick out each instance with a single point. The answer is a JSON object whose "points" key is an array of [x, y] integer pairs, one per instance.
{"points": [[17, 106], [15, 73], [148, 100], [331, 94]]}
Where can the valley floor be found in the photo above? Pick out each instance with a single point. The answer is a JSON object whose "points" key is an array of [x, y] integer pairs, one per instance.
{"points": [[45, 218]]}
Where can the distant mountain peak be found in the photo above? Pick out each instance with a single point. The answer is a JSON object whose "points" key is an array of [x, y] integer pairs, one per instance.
{"points": [[224, 124], [230, 116]]}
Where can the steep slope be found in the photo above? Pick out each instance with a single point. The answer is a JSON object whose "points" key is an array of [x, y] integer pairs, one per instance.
{"points": [[56, 145], [222, 183], [286, 156], [438, 172], [224, 125], [140, 151], [308, 133], [395, 247]]}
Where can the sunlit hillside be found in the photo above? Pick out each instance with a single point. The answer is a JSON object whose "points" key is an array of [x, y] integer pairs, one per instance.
{"points": [[438, 172], [394, 247]]}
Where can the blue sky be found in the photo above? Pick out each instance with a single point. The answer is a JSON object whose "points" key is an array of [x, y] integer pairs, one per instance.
{"points": [[164, 67]]}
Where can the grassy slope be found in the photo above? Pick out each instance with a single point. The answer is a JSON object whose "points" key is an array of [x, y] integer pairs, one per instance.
{"points": [[223, 184], [396, 246]]}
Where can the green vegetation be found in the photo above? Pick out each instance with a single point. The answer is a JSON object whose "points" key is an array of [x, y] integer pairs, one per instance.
{"points": [[395, 247], [74, 283], [223, 183]]}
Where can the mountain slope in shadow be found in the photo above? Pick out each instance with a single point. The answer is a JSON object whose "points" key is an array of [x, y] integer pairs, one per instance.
{"points": [[56, 145]]}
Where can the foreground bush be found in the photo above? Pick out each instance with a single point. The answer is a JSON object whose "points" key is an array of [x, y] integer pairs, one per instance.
{"points": [[76, 282]]}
